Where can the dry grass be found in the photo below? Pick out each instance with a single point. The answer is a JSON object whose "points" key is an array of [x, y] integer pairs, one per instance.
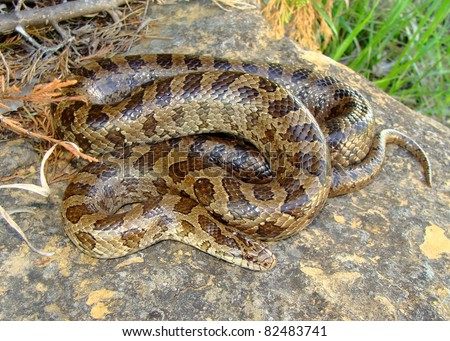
{"points": [[22, 65], [302, 20]]}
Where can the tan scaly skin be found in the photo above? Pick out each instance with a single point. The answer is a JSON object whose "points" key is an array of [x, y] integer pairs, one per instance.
{"points": [[315, 134]]}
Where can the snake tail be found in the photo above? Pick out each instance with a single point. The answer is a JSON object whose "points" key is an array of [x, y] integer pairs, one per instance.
{"points": [[346, 180]]}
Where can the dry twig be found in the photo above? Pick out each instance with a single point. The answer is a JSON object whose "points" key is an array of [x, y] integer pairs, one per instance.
{"points": [[71, 147], [68, 10], [41, 94]]}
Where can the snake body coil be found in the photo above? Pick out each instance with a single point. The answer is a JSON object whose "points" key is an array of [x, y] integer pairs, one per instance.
{"points": [[302, 136]]}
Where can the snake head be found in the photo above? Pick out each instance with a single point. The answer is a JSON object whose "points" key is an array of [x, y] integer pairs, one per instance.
{"points": [[264, 260], [254, 255]]}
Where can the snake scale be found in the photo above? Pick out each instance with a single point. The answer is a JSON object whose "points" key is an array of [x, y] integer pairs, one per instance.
{"points": [[219, 154]]}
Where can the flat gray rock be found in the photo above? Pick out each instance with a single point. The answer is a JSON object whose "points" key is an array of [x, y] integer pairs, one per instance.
{"points": [[381, 253]]}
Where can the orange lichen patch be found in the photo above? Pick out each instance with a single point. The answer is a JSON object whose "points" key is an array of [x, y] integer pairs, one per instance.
{"points": [[332, 284], [387, 304], [339, 219], [356, 222], [435, 242], [17, 265], [97, 299], [129, 261], [53, 308], [41, 287]]}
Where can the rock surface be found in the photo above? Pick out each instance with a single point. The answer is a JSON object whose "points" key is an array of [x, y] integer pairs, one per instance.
{"points": [[381, 253]]}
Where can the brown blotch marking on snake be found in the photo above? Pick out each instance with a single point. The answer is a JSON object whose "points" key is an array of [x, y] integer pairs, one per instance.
{"points": [[196, 164], [186, 228], [108, 65], [204, 191], [335, 139], [183, 193], [178, 171], [214, 231], [344, 108], [237, 162], [343, 93], [100, 169], [300, 75], [86, 239], [149, 205], [77, 188], [104, 171], [185, 205], [295, 199], [263, 193], [150, 125], [133, 106], [164, 60], [157, 237], [132, 237], [178, 116], [250, 68], [239, 207], [222, 65], [96, 118], [267, 85], [192, 62], [196, 146], [282, 107], [116, 137], [269, 135], [110, 222], [192, 85], [161, 186], [135, 62], [163, 93], [217, 154], [250, 164], [310, 162], [74, 213], [247, 93], [82, 141], [151, 208], [335, 111], [68, 113], [84, 72], [326, 81], [275, 71], [269, 229], [147, 160], [174, 142], [222, 83], [302, 132], [164, 221], [122, 153]]}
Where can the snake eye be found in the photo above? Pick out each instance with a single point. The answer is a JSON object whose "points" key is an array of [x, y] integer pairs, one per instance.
{"points": [[250, 257]]}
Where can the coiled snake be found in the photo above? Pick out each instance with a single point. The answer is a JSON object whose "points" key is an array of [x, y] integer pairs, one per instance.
{"points": [[301, 136]]}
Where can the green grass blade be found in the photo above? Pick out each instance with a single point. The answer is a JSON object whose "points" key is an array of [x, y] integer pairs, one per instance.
{"points": [[348, 40]]}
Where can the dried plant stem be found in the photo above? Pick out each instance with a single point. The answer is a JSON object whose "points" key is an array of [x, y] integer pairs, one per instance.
{"points": [[39, 16], [15, 126], [16, 228]]}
